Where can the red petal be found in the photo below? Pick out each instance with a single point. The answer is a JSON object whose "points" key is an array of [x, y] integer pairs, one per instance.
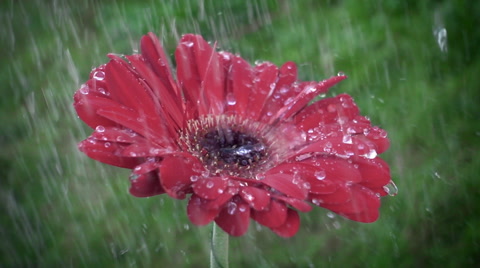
{"points": [[87, 105], [291, 225], [283, 91], [375, 172], [222, 199], [197, 213], [362, 200], [167, 103], [298, 204], [242, 84], [234, 218], [264, 84], [327, 111], [108, 153], [274, 216], [209, 188], [144, 150], [145, 183], [153, 52], [366, 217], [114, 134], [286, 184], [257, 198], [188, 74], [342, 195], [175, 174], [150, 128], [125, 87]]}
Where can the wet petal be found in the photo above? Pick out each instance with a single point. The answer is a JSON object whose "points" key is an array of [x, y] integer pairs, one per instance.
{"points": [[296, 203], [108, 153], [286, 184], [153, 52], [362, 201], [242, 84], [197, 212], [222, 199], [144, 182], [291, 225], [257, 198], [342, 195], [274, 216], [234, 217], [86, 106], [175, 174], [209, 188], [375, 172], [265, 75]]}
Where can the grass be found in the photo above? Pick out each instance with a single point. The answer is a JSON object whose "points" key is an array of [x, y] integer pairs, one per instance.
{"points": [[62, 209]]}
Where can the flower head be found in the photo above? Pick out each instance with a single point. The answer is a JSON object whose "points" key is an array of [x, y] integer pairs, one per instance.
{"points": [[240, 141]]}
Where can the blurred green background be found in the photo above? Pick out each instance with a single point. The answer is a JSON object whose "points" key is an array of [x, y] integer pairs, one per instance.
{"points": [[61, 209]]}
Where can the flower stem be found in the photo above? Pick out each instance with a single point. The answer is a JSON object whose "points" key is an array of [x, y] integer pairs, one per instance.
{"points": [[219, 248]]}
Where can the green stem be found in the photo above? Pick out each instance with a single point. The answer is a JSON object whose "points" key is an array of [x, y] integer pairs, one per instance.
{"points": [[219, 248]]}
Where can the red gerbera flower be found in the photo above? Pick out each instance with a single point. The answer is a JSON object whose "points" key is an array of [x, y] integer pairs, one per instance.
{"points": [[241, 141]]}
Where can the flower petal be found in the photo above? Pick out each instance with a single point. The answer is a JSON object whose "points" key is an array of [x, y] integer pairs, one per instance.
{"points": [[86, 106], [363, 203], [108, 153], [342, 195], [296, 203], [274, 216], [175, 174], [209, 188], [257, 198], [291, 225], [125, 87], [375, 172], [264, 83], [234, 217], [286, 184], [153, 52], [144, 182], [242, 84], [197, 213], [114, 134]]}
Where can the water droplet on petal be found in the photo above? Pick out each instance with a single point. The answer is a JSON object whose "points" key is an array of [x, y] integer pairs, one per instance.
{"points": [[84, 89], [194, 178], [320, 175], [100, 129], [347, 139], [99, 75], [340, 73], [231, 208], [231, 100], [210, 184], [391, 189]]}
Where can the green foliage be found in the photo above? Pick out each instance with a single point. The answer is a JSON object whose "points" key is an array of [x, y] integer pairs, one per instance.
{"points": [[62, 209]]}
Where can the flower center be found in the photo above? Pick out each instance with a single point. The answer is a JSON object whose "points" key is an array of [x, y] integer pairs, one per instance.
{"points": [[232, 147], [229, 145]]}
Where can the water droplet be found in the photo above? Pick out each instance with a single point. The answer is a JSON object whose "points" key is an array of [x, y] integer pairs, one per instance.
{"points": [[242, 208], [210, 184], [194, 178], [84, 89], [100, 129], [99, 75], [231, 208], [188, 43], [320, 175], [347, 139], [331, 215], [231, 100], [391, 189], [107, 144], [133, 176], [341, 73], [371, 154]]}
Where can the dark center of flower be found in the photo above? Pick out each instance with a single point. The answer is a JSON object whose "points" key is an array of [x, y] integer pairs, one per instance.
{"points": [[232, 147]]}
